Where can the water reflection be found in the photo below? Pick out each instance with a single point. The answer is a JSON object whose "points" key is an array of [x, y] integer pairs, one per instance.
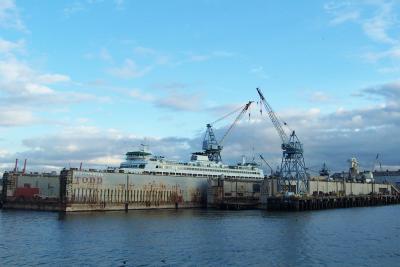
{"points": [[201, 237]]}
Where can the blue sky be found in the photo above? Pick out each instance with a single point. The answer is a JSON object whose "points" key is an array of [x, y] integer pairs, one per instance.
{"points": [[121, 71]]}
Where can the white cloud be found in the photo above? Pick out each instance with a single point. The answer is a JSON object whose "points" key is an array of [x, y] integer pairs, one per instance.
{"points": [[119, 4], [377, 27], [320, 97], [105, 55], [18, 78], [28, 96], [16, 117], [137, 94], [345, 17], [171, 99], [8, 47], [9, 16], [199, 58], [158, 57], [82, 120], [52, 78], [13, 71], [180, 102], [222, 53], [95, 148], [389, 69], [259, 72], [112, 160], [196, 57], [141, 50], [392, 53], [377, 19], [36, 89], [129, 70], [73, 8], [24, 88]]}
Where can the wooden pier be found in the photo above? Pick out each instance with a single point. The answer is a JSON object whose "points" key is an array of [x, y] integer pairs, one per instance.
{"points": [[328, 202]]}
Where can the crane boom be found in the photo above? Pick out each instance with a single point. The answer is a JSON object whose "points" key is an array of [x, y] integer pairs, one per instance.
{"points": [[244, 110], [212, 148], [273, 118], [269, 166]]}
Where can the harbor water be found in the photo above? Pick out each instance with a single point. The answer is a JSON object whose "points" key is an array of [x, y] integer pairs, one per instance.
{"points": [[341, 237]]}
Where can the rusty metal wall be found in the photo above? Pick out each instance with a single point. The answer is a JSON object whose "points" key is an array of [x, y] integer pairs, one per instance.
{"points": [[233, 193], [87, 190], [47, 184]]}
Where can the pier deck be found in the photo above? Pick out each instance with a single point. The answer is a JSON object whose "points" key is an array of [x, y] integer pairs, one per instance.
{"points": [[328, 202]]}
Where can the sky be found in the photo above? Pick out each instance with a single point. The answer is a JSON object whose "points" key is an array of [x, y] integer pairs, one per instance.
{"points": [[88, 80]]}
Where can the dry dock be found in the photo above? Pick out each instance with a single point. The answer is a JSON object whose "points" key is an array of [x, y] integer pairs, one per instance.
{"points": [[79, 190]]}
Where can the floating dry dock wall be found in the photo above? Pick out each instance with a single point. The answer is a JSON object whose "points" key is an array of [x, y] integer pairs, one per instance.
{"points": [[36, 191], [75, 190], [231, 193], [318, 187], [82, 190], [92, 190]]}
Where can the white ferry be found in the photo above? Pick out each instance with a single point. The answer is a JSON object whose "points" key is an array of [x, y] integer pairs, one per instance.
{"points": [[200, 165]]}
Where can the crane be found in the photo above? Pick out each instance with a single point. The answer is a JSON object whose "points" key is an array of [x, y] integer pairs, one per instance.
{"points": [[376, 162], [211, 146], [269, 166], [324, 171], [293, 169]]}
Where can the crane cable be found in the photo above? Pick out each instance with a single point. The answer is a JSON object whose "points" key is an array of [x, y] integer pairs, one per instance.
{"points": [[227, 115], [245, 108]]}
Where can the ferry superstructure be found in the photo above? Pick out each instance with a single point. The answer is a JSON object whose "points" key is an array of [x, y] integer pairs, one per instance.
{"points": [[200, 165]]}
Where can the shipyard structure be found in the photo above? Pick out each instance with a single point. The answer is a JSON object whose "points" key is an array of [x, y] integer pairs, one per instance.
{"points": [[199, 183], [147, 181], [143, 181]]}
